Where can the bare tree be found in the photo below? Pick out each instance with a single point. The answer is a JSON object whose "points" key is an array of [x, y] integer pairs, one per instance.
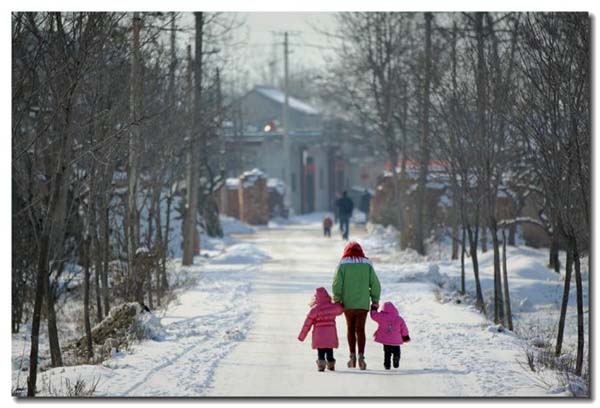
{"points": [[373, 58], [555, 129]]}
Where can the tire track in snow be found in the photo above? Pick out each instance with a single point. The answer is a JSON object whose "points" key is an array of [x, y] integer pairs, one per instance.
{"points": [[219, 330]]}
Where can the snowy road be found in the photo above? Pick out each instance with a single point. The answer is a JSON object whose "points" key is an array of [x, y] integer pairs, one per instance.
{"points": [[233, 333], [452, 352]]}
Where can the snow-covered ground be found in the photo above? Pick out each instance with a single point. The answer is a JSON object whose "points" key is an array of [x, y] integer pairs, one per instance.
{"points": [[535, 290], [455, 351], [233, 333], [209, 316]]}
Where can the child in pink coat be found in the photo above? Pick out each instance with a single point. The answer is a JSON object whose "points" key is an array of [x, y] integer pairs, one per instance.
{"points": [[324, 335], [391, 332]]}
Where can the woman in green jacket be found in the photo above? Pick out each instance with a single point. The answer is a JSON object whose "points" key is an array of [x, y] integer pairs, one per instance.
{"points": [[357, 288]]}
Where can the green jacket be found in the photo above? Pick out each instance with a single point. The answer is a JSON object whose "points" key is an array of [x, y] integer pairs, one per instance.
{"points": [[355, 284]]}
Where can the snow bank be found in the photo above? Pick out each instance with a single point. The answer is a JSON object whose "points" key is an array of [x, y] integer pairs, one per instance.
{"points": [[432, 275], [232, 225], [379, 240], [242, 254], [149, 326]]}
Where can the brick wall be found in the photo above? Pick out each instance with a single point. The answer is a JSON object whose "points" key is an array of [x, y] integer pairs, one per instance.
{"points": [[253, 198]]}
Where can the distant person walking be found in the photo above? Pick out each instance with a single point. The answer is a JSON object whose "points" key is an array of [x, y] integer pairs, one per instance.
{"points": [[327, 224], [365, 203], [357, 288], [345, 207]]}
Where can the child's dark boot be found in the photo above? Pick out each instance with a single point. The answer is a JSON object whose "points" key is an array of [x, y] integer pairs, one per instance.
{"points": [[331, 365], [321, 365]]}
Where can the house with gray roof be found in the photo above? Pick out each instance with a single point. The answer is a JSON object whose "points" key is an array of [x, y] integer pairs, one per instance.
{"points": [[254, 138]]}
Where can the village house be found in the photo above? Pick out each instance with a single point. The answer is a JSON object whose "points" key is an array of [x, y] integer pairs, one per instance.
{"points": [[255, 139]]}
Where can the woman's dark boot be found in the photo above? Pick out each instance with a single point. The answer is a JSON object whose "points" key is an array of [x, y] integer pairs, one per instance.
{"points": [[361, 362], [352, 361]]}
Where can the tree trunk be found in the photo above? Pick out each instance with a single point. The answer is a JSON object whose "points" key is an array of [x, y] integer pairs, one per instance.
{"points": [[481, 126], [148, 269], [159, 250], [18, 293], [55, 352], [479, 303], [86, 299], [164, 281], [554, 260], [150, 224], [97, 259], [512, 234], [506, 286], [455, 239], [498, 302], [106, 258], [580, 320], [483, 239], [42, 279], [149, 287], [565, 301], [462, 260], [97, 273]]}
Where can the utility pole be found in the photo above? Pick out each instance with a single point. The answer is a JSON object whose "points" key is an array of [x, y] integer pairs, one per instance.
{"points": [[197, 139], [219, 129], [287, 172], [190, 210]]}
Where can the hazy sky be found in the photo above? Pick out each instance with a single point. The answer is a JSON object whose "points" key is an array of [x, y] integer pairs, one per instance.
{"points": [[259, 41], [303, 28]]}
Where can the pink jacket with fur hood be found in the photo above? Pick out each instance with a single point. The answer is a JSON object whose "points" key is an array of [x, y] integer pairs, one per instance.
{"points": [[392, 329], [322, 316]]}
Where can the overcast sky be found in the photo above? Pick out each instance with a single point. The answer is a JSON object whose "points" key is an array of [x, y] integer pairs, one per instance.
{"points": [[259, 41]]}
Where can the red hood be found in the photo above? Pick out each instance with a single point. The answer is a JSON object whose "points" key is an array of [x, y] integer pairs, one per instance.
{"points": [[321, 296], [354, 250]]}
